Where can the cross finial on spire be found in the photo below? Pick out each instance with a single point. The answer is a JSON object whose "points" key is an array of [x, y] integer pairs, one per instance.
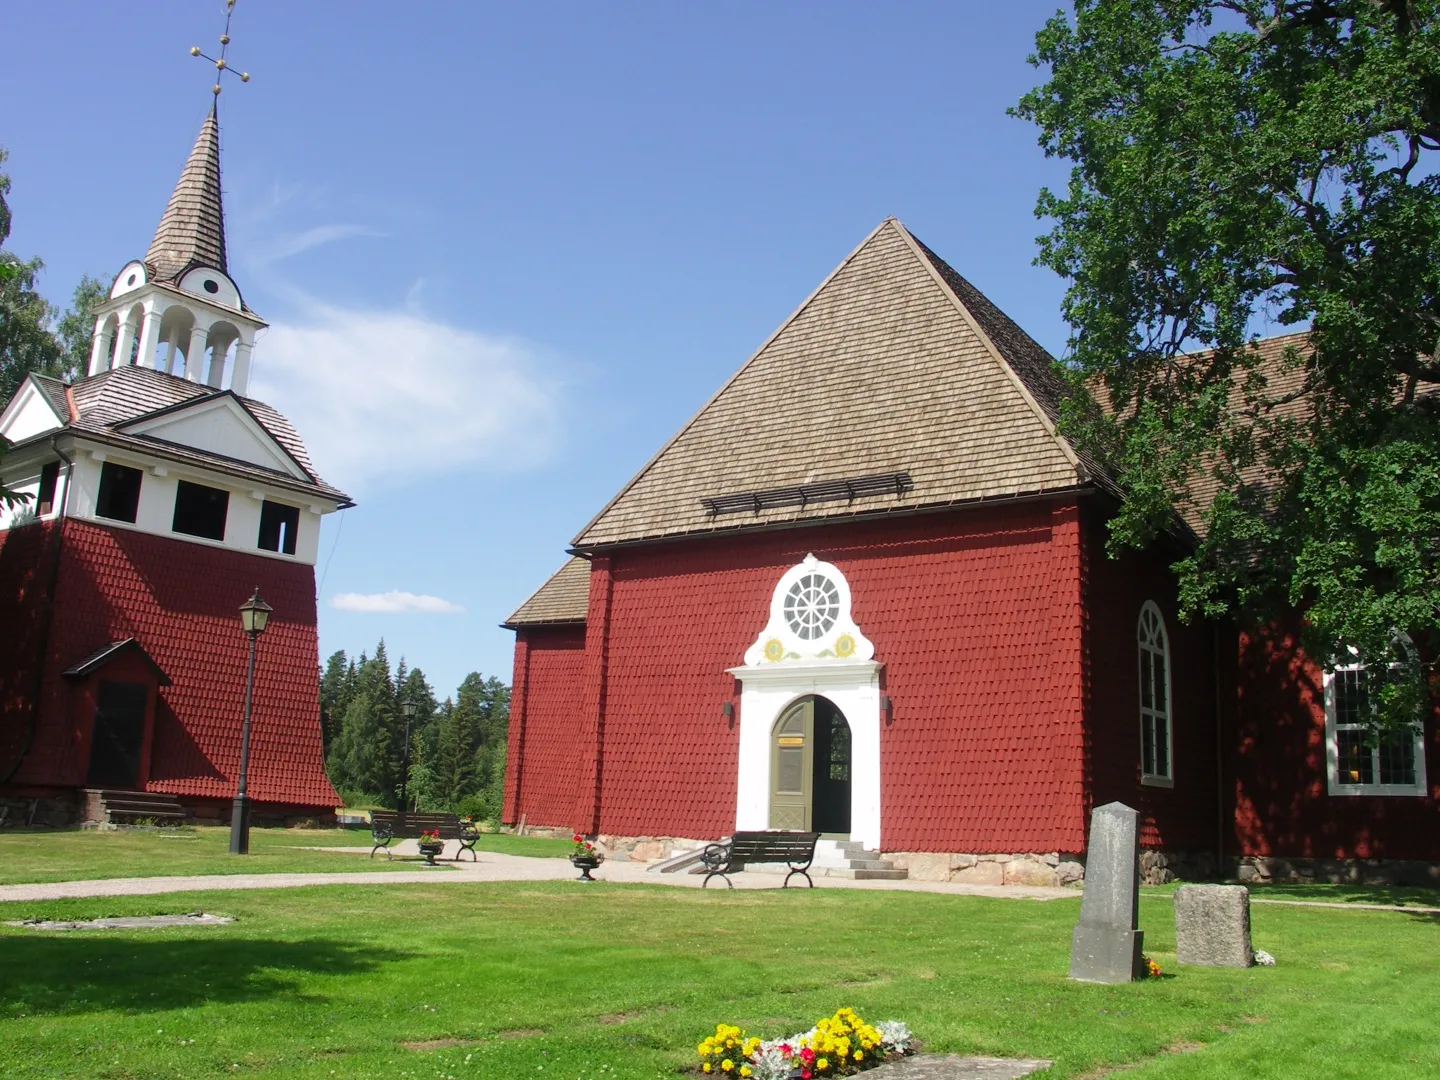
{"points": [[221, 65]]}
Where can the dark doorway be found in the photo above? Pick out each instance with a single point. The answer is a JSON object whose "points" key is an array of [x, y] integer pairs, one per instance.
{"points": [[119, 735], [831, 764]]}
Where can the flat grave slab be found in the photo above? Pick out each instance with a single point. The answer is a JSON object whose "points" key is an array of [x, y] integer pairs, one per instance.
{"points": [[954, 1067], [133, 922]]}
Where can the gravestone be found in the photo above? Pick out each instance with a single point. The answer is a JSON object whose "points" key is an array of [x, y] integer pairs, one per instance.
{"points": [[1212, 925], [1106, 946]]}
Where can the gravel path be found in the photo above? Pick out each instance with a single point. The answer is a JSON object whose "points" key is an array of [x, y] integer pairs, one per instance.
{"points": [[491, 867]]}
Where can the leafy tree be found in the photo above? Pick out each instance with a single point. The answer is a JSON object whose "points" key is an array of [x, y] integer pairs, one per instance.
{"points": [[456, 748], [26, 343], [28, 327], [1237, 162], [336, 689], [75, 330], [453, 762], [353, 764]]}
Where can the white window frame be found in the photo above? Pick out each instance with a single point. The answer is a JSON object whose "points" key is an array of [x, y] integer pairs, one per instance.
{"points": [[1332, 742], [1144, 649]]}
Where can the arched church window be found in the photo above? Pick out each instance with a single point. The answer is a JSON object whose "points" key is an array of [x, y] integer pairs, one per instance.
{"points": [[1364, 758], [811, 606], [1156, 765]]}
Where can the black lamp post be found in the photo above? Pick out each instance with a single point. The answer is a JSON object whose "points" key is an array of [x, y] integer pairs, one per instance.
{"points": [[254, 616], [407, 710]]}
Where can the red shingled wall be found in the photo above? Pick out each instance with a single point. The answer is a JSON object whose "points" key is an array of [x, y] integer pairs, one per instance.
{"points": [[976, 616], [1282, 805], [547, 695], [181, 601], [1185, 817], [27, 558]]}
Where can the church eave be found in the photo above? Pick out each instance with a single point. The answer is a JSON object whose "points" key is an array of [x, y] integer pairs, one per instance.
{"points": [[76, 434], [1084, 488]]}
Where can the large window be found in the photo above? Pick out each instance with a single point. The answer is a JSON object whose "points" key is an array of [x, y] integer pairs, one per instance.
{"points": [[278, 525], [119, 495], [1156, 766], [45, 498], [1363, 759], [200, 510]]}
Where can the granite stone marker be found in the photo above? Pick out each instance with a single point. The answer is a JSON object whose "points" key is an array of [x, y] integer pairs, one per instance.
{"points": [[1212, 925], [1107, 945]]}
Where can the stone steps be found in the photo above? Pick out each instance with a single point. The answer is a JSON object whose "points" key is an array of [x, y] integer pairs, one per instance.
{"points": [[862, 874], [126, 807]]}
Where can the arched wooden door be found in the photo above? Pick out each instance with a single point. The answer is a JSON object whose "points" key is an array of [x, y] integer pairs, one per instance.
{"points": [[791, 767], [810, 769]]}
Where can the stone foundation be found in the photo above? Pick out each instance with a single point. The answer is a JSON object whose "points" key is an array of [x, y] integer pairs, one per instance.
{"points": [[1025, 868], [634, 848], [1264, 869], [1163, 867], [67, 811], [47, 812]]}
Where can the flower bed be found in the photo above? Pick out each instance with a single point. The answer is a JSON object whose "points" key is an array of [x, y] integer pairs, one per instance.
{"points": [[836, 1046]]}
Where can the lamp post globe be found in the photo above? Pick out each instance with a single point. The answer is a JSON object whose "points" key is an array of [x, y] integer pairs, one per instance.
{"points": [[254, 617]]}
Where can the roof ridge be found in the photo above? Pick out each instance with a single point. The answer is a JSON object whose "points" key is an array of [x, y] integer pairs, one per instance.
{"points": [[655, 457]]}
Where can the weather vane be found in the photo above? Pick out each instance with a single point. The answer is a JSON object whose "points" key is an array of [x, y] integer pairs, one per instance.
{"points": [[221, 66]]}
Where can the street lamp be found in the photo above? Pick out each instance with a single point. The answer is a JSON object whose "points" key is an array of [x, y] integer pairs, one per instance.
{"points": [[407, 710], [254, 617]]}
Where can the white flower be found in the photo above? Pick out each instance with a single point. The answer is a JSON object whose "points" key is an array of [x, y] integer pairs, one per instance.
{"points": [[1263, 958], [895, 1036], [768, 1063]]}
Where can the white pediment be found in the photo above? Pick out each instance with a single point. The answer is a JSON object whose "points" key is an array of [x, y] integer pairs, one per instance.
{"points": [[29, 414], [810, 620], [219, 425]]}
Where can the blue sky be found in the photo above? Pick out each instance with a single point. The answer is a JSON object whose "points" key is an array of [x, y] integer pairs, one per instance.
{"points": [[507, 250]]}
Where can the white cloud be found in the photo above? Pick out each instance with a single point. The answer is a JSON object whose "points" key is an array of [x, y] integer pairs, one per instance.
{"points": [[378, 395], [394, 602], [314, 237]]}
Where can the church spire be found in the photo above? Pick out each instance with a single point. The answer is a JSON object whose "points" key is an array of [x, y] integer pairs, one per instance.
{"points": [[192, 229]]}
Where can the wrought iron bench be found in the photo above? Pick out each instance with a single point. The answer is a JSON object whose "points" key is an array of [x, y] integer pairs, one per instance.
{"points": [[387, 825], [795, 849]]}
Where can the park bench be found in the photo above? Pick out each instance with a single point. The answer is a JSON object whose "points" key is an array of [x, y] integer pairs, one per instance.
{"points": [[387, 825], [795, 849]]}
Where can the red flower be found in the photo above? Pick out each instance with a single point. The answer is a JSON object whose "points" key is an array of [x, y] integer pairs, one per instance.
{"points": [[806, 1074], [577, 838], [807, 1056], [785, 1049]]}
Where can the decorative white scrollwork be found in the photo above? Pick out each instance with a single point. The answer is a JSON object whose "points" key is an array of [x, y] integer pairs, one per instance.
{"points": [[810, 619]]}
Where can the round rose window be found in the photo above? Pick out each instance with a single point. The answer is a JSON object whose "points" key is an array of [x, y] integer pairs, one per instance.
{"points": [[811, 606]]}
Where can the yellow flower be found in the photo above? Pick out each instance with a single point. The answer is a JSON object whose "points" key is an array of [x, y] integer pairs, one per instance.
{"points": [[822, 1063], [705, 1067], [859, 1056], [727, 1064], [745, 1070]]}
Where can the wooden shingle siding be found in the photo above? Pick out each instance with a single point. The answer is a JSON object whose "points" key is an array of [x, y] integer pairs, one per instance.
{"points": [[562, 599], [192, 229]]}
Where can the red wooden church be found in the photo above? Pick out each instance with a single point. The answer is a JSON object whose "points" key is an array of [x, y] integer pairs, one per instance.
{"points": [[161, 496], [864, 590]]}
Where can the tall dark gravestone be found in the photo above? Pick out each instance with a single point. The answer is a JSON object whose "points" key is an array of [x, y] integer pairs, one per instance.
{"points": [[1107, 943]]}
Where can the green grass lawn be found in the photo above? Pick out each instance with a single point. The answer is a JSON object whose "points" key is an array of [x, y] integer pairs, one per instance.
{"points": [[562, 980], [73, 855]]}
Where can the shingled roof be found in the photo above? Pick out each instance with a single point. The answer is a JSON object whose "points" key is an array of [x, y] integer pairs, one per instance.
{"points": [[564, 599], [105, 404], [895, 367], [192, 229]]}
